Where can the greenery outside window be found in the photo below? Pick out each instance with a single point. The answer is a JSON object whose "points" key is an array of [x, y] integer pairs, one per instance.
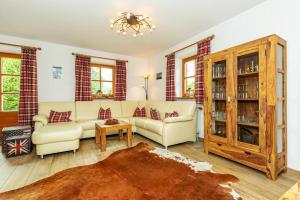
{"points": [[103, 81], [10, 81], [188, 76]]}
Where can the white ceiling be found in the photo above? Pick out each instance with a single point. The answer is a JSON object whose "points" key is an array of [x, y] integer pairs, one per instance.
{"points": [[85, 23]]}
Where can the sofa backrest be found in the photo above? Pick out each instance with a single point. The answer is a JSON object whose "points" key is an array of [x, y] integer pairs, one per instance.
{"points": [[184, 108], [45, 107], [88, 110], [161, 106], [128, 108]]}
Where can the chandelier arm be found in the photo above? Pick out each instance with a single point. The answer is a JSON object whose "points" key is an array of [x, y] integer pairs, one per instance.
{"points": [[147, 23]]}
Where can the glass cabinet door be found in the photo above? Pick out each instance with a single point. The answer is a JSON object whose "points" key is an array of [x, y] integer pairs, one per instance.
{"points": [[247, 73], [218, 106]]}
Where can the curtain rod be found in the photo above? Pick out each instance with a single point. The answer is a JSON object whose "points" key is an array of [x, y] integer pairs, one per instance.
{"points": [[78, 54], [16, 45], [207, 38]]}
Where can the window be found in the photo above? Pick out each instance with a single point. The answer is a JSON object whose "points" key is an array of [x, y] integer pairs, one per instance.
{"points": [[10, 81], [102, 80], [188, 76]]}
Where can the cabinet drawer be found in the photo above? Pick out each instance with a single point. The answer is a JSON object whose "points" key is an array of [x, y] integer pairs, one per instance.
{"points": [[251, 159]]}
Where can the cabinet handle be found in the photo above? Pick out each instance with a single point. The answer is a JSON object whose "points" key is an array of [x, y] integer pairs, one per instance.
{"points": [[228, 99], [219, 144], [248, 153]]}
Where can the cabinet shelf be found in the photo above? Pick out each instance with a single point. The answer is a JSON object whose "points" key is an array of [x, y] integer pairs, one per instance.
{"points": [[251, 124], [248, 74], [220, 120], [219, 78], [248, 100]]}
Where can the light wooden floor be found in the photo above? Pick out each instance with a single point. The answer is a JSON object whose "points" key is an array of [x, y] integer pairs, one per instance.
{"points": [[19, 171]]}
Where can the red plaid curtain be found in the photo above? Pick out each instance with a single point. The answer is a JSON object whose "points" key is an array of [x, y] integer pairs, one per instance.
{"points": [[203, 50], [83, 78], [28, 106], [170, 78], [120, 84]]}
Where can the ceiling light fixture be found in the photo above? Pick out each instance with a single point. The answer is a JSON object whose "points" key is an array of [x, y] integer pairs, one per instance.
{"points": [[128, 21]]}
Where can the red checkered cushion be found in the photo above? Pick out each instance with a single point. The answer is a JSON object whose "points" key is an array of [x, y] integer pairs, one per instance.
{"points": [[154, 114], [139, 112], [172, 114], [56, 117], [104, 113]]}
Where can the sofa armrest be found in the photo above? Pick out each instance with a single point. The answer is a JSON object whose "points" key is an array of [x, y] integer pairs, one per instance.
{"points": [[178, 119], [41, 118]]}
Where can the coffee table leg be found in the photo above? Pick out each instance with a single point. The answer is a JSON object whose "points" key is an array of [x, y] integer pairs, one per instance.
{"points": [[103, 140], [121, 134], [129, 137], [97, 136]]}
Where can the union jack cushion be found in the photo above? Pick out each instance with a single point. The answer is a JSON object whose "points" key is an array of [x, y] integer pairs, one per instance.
{"points": [[18, 146], [172, 114], [154, 114], [56, 117], [104, 113], [139, 112]]}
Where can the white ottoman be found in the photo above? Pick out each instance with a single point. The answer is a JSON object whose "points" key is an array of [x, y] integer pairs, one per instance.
{"points": [[58, 137]]}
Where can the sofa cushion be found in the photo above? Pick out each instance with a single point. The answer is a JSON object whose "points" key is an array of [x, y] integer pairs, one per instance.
{"points": [[45, 107], [155, 126], [57, 132], [115, 107], [140, 112], [154, 114], [172, 114], [104, 114], [56, 117]]}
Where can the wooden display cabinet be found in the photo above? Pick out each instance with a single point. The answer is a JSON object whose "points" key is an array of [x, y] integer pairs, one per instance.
{"points": [[245, 104]]}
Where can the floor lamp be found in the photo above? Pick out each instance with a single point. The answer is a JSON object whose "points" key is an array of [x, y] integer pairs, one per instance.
{"points": [[145, 86]]}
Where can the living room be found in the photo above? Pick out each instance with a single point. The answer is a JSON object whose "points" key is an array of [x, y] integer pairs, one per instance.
{"points": [[131, 100]]}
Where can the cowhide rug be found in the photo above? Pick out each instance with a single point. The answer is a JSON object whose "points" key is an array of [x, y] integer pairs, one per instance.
{"points": [[140, 172]]}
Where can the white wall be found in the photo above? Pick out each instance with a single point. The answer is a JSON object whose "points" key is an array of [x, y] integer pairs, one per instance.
{"points": [[273, 16], [53, 54]]}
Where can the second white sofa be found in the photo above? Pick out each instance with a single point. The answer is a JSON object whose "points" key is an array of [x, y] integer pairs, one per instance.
{"points": [[57, 137]]}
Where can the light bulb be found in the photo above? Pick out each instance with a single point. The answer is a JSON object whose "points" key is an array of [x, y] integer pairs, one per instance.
{"points": [[128, 15], [112, 21], [118, 31], [153, 26], [150, 19], [119, 13], [125, 28], [134, 35], [124, 33], [111, 26], [141, 34], [144, 25], [151, 30], [119, 22]]}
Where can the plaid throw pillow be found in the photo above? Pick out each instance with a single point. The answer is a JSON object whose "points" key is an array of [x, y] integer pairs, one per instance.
{"points": [[139, 112], [56, 117], [154, 114], [104, 114], [172, 114]]}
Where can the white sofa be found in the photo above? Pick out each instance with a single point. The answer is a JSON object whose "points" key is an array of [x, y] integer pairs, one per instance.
{"points": [[58, 137]]}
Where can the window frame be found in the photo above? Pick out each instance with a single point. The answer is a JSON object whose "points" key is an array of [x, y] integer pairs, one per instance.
{"points": [[7, 55], [184, 77], [95, 96]]}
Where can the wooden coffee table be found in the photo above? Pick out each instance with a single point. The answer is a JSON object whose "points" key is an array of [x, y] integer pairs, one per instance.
{"points": [[102, 129]]}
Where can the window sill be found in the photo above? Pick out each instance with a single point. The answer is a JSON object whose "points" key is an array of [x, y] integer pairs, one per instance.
{"points": [[185, 97], [102, 98]]}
